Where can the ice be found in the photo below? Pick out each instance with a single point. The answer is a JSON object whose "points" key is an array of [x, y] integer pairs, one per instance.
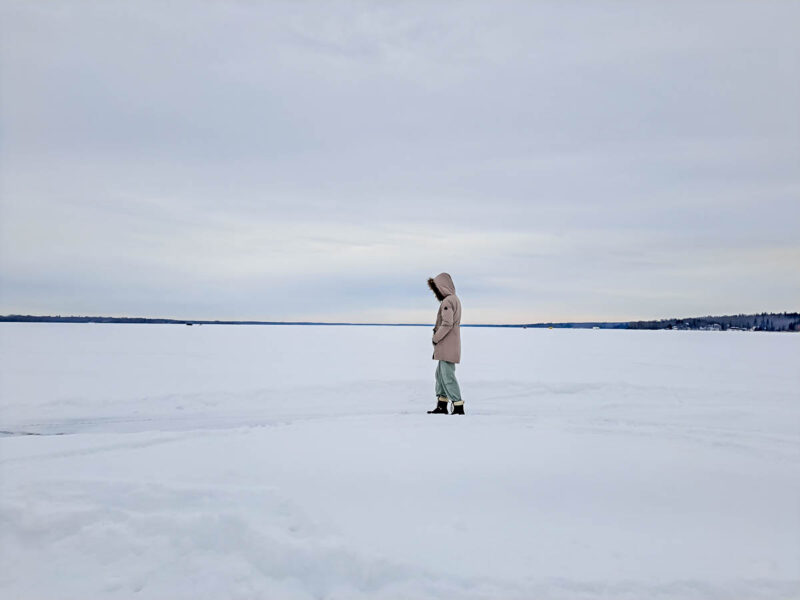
{"points": [[165, 461]]}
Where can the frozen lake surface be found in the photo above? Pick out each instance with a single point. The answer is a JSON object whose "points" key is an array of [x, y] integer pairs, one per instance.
{"points": [[165, 461]]}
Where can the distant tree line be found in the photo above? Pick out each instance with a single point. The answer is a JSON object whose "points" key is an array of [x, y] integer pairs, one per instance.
{"points": [[71, 319], [761, 322]]}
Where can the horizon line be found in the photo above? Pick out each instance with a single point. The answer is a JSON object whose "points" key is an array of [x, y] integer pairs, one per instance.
{"points": [[172, 320]]}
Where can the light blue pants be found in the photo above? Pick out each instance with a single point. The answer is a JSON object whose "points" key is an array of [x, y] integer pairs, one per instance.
{"points": [[446, 383]]}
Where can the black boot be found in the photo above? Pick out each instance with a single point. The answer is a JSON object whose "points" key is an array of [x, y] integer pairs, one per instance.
{"points": [[441, 407], [458, 409]]}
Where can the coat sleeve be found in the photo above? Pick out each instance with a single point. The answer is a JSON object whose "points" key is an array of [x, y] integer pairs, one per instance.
{"points": [[447, 322]]}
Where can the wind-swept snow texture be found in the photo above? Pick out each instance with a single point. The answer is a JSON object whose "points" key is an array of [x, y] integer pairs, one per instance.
{"points": [[160, 461]]}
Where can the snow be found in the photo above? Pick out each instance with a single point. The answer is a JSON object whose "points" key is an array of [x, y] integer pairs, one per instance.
{"points": [[296, 462]]}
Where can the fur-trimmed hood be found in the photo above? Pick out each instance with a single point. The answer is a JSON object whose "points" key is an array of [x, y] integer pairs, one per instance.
{"points": [[442, 285]]}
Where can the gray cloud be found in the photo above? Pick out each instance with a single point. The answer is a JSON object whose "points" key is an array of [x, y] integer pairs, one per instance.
{"points": [[319, 160]]}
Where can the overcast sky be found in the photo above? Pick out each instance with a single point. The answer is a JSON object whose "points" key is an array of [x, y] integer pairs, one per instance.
{"points": [[301, 160]]}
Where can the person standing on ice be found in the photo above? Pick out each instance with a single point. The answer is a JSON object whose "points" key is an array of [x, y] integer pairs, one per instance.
{"points": [[446, 344]]}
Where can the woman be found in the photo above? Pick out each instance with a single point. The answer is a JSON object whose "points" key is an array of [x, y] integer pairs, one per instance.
{"points": [[447, 345]]}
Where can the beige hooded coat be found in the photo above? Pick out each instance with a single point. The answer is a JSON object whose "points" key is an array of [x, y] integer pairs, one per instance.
{"points": [[447, 332]]}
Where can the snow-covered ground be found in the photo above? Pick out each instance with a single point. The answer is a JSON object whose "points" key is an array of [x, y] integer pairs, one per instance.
{"points": [[168, 461]]}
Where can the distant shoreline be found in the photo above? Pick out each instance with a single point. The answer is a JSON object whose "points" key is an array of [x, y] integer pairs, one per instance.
{"points": [[788, 322]]}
